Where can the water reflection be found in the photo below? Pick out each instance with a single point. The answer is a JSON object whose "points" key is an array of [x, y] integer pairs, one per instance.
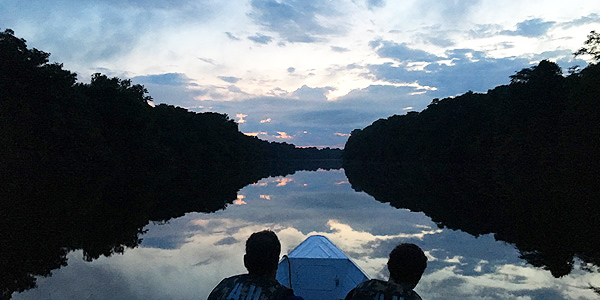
{"points": [[187, 257], [551, 230], [46, 216]]}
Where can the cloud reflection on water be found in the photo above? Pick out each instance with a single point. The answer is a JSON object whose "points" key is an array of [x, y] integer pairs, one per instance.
{"points": [[186, 258]]}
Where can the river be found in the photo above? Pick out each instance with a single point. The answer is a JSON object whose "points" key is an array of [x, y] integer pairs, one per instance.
{"points": [[186, 257]]}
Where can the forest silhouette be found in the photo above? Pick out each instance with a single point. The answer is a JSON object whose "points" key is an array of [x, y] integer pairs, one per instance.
{"points": [[521, 161], [88, 165]]}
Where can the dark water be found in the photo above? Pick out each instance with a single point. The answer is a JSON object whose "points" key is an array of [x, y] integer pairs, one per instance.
{"points": [[187, 256]]}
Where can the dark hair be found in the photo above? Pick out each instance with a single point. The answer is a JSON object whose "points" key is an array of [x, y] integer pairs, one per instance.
{"points": [[407, 263], [262, 252]]}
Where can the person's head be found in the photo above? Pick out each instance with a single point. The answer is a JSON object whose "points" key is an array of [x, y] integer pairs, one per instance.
{"points": [[262, 253], [407, 264]]}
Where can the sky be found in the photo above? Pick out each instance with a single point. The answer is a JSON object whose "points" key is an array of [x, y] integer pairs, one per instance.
{"points": [[299, 71]]}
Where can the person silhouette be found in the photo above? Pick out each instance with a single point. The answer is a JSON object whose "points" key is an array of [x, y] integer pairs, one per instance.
{"points": [[261, 260], [406, 265]]}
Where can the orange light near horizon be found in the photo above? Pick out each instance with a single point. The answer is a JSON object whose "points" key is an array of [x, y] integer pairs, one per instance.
{"points": [[255, 133], [241, 118], [284, 181], [239, 200], [199, 222], [283, 135]]}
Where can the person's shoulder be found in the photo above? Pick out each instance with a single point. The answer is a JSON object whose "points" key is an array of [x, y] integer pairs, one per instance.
{"points": [[268, 285], [233, 279], [225, 285], [372, 284], [366, 288]]}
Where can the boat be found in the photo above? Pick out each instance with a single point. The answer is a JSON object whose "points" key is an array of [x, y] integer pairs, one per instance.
{"points": [[318, 270]]}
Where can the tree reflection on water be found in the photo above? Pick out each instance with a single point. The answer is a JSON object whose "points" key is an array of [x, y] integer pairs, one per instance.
{"points": [[43, 218], [548, 230], [186, 257]]}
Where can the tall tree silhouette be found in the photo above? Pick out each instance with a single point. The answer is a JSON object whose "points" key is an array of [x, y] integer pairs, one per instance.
{"points": [[592, 46]]}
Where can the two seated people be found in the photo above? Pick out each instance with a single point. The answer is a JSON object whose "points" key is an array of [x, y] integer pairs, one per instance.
{"points": [[406, 265]]}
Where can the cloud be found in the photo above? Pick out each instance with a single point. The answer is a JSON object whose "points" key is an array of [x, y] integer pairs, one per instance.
{"points": [[563, 57], [479, 31], [307, 109], [226, 241], [172, 88], [165, 242], [296, 21], [216, 93], [401, 52], [589, 19], [403, 88], [380, 98], [241, 118], [231, 36], [235, 89], [446, 13], [88, 34], [291, 70], [440, 41], [372, 4], [321, 118], [229, 79], [342, 134], [531, 28], [261, 38], [240, 200], [173, 79], [207, 60], [284, 181], [468, 70], [283, 135], [339, 49], [332, 117], [312, 94], [255, 133]]}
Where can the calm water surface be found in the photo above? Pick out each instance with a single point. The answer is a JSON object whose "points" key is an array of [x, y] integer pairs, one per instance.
{"points": [[187, 257]]}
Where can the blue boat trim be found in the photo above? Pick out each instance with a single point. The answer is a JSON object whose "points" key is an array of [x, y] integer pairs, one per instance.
{"points": [[317, 269]]}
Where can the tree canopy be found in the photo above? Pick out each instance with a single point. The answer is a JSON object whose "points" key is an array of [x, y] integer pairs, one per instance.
{"points": [[591, 46]]}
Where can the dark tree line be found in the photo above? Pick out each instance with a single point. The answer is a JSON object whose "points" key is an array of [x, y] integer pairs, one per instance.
{"points": [[540, 116], [540, 121], [88, 165], [521, 161], [108, 122]]}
